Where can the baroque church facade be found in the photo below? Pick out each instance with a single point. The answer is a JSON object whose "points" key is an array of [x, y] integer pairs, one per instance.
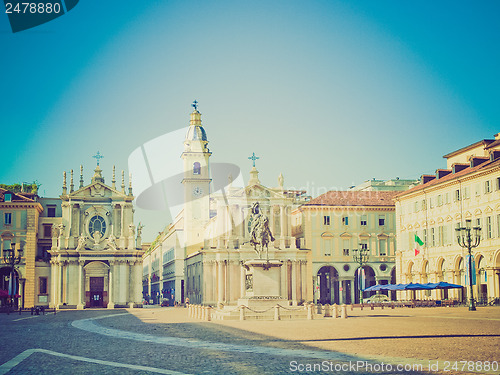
{"points": [[210, 239], [96, 256]]}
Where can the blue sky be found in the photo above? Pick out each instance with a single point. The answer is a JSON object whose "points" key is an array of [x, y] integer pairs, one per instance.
{"points": [[330, 93]]}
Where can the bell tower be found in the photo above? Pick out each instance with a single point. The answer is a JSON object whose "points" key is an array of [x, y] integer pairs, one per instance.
{"points": [[196, 183]]}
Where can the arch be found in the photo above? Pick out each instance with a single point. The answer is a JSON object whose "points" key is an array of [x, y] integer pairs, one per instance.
{"points": [[96, 284], [393, 281], [5, 274], [481, 279], [369, 280], [328, 283]]}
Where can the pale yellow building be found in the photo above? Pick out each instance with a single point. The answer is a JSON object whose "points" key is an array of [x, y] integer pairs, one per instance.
{"points": [[469, 189], [332, 226]]}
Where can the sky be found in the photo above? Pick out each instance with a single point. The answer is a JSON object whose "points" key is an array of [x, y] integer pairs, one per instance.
{"points": [[329, 93]]}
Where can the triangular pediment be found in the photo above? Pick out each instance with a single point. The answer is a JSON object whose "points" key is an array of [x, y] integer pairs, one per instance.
{"points": [[364, 235], [449, 218], [97, 190], [259, 191], [488, 210]]}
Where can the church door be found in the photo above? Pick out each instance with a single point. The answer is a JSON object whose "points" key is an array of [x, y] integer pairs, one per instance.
{"points": [[96, 291]]}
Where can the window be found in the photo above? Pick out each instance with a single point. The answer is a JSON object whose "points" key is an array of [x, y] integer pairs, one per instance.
{"points": [[433, 237], [424, 205], [8, 197], [498, 183], [346, 248], [440, 200], [363, 245], [431, 202], [447, 200], [42, 285], [364, 220], [196, 168], [425, 237], [466, 192], [478, 189], [383, 247], [47, 230], [345, 220], [8, 218], [487, 187], [457, 195], [328, 247], [326, 220], [51, 210], [489, 228], [97, 224], [498, 225], [381, 220], [417, 208]]}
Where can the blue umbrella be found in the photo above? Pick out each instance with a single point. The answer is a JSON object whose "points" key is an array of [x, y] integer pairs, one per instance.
{"points": [[443, 285]]}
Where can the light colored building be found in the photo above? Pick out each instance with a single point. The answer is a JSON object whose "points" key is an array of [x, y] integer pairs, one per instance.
{"points": [[96, 257], [469, 189], [212, 233], [385, 185], [19, 219], [334, 224]]}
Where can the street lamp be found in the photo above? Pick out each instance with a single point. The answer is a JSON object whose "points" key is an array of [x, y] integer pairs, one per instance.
{"points": [[469, 241], [10, 258], [360, 256]]}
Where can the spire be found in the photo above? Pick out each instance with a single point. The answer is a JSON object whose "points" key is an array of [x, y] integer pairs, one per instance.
{"points": [[64, 183], [113, 181], [130, 184], [123, 182], [281, 179], [195, 115], [71, 186], [81, 176]]}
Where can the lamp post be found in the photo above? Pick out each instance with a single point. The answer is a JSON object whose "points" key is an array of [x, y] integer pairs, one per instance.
{"points": [[10, 258], [360, 256], [468, 240]]}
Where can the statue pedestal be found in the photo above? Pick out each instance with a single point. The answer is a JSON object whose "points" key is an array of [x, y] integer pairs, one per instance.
{"points": [[265, 284]]}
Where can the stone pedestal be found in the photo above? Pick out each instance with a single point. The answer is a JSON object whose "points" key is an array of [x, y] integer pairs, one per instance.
{"points": [[265, 284]]}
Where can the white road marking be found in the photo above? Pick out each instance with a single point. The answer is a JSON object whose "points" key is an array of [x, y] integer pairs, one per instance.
{"points": [[7, 366], [28, 317]]}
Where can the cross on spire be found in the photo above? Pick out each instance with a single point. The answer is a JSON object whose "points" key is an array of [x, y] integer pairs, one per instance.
{"points": [[253, 158], [98, 156], [195, 105]]}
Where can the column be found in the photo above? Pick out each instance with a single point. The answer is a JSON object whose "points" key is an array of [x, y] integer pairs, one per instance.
{"points": [[283, 227], [81, 303], [243, 276], [137, 271], [111, 284], [271, 219], [294, 282], [220, 282], [284, 283], [54, 282], [62, 298], [122, 225], [123, 287], [303, 277]]}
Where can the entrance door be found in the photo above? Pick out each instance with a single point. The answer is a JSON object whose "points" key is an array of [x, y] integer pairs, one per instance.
{"points": [[96, 291]]}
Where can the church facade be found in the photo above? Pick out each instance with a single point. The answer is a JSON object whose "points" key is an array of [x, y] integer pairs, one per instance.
{"points": [[96, 256]]}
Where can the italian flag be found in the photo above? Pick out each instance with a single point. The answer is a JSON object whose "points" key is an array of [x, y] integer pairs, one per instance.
{"points": [[418, 242]]}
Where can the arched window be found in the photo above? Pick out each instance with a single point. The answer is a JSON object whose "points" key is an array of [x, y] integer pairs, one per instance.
{"points": [[196, 168]]}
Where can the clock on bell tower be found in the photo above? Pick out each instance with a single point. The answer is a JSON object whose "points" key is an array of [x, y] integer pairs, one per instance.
{"points": [[196, 183]]}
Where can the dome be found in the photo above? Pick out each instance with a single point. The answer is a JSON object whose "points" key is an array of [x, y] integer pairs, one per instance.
{"points": [[196, 133]]}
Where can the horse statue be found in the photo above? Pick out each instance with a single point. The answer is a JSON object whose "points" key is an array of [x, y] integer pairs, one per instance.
{"points": [[260, 233]]}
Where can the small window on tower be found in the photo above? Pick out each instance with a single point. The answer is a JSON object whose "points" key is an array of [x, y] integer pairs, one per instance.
{"points": [[196, 168]]}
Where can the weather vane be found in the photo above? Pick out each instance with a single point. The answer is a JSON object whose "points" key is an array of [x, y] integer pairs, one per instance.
{"points": [[98, 156], [195, 105], [253, 158]]}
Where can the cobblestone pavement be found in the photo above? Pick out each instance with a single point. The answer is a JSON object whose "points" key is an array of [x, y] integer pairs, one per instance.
{"points": [[165, 340]]}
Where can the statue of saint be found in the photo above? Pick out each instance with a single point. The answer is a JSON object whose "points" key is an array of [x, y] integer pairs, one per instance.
{"points": [[131, 229], [82, 240], [111, 241], [97, 237]]}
